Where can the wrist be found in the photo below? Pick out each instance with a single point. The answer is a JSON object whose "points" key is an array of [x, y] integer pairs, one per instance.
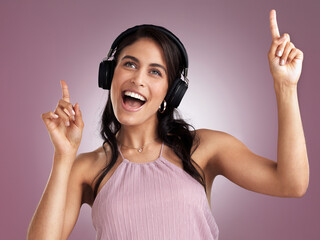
{"points": [[286, 95], [64, 160], [283, 89]]}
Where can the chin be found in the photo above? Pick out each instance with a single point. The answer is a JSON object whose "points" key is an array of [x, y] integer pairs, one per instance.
{"points": [[135, 119]]}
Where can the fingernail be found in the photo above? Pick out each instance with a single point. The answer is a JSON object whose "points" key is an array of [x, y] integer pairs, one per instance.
{"points": [[282, 62], [279, 53], [73, 113], [67, 123], [55, 116], [66, 111]]}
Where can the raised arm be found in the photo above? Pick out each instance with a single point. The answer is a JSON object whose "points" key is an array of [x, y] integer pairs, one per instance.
{"points": [[285, 62], [289, 176], [65, 127]]}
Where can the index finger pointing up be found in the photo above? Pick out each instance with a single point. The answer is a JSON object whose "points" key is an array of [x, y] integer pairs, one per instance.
{"points": [[65, 91], [274, 25]]}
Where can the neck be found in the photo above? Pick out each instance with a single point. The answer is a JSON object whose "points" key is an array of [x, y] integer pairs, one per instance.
{"points": [[137, 136]]}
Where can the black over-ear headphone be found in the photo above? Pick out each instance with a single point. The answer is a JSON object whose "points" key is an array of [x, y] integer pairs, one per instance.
{"points": [[179, 86]]}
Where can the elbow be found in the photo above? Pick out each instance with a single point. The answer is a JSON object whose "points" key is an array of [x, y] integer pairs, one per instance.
{"points": [[300, 192], [302, 186], [295, 186], [297, 191]]}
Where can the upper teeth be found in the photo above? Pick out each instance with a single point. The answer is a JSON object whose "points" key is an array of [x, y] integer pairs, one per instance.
{"points": [[134, 95]]}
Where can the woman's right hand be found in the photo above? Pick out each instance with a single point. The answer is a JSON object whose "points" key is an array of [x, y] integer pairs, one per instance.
{"points": [[64, 131]]}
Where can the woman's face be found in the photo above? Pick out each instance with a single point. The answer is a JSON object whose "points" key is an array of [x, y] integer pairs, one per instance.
{"points": [[140, 83]]}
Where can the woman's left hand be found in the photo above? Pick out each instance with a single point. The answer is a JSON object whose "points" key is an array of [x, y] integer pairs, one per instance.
{"points": [[285, 59]]}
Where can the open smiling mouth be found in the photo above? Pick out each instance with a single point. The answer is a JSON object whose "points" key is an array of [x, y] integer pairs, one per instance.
{"points": [[132, 101]]}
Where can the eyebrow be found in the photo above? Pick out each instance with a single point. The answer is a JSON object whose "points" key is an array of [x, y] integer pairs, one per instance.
{"points": [[137, 60]]}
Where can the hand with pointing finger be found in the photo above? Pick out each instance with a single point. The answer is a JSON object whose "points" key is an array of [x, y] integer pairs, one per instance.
{"points": [[285, 59], [65, 124]]}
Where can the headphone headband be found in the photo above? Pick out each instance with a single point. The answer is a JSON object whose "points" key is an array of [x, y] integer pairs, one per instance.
{"points": [[168, 33]]}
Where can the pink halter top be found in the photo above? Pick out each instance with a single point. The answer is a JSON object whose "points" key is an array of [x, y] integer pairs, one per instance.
{"points": [[153, 200]]}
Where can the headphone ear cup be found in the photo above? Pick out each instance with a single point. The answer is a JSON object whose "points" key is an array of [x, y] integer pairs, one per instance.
{"points": [[106, 69], [176, 93]]}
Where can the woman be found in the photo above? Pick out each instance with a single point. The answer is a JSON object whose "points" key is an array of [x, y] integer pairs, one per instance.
{"points": [[153, 175]]}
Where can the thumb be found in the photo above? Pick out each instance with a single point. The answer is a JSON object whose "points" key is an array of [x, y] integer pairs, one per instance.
{"points": [[78, 116]]}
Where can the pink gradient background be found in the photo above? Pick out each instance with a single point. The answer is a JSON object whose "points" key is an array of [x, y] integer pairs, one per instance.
{"points": [[230, 90]]}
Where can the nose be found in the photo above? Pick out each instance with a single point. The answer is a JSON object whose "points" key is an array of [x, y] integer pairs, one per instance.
{"points": [[138, 78]]}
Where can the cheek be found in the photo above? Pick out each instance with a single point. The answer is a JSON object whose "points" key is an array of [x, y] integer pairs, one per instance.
{"points": [[114, 90], [160, 91], [115, 78], [165, 88], [116, 81]]}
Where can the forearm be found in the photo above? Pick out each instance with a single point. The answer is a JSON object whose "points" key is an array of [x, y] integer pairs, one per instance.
{"points": [[47, 222], [292, 159]]}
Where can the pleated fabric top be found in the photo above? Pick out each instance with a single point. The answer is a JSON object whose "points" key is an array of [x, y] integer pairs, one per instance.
{"points": [[152, 201]]}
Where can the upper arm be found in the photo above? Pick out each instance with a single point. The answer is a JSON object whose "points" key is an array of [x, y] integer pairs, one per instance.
{"points": [[229, 157], [75, 193]]}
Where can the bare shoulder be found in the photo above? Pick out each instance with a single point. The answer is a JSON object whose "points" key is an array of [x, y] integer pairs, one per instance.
{"points": [[211, 140], [209, 134], [85, 169], [211, 144], [88, 164]]}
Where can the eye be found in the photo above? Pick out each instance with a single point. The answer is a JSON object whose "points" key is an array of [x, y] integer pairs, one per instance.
{"points": [[156, 72], [130, 64]]}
